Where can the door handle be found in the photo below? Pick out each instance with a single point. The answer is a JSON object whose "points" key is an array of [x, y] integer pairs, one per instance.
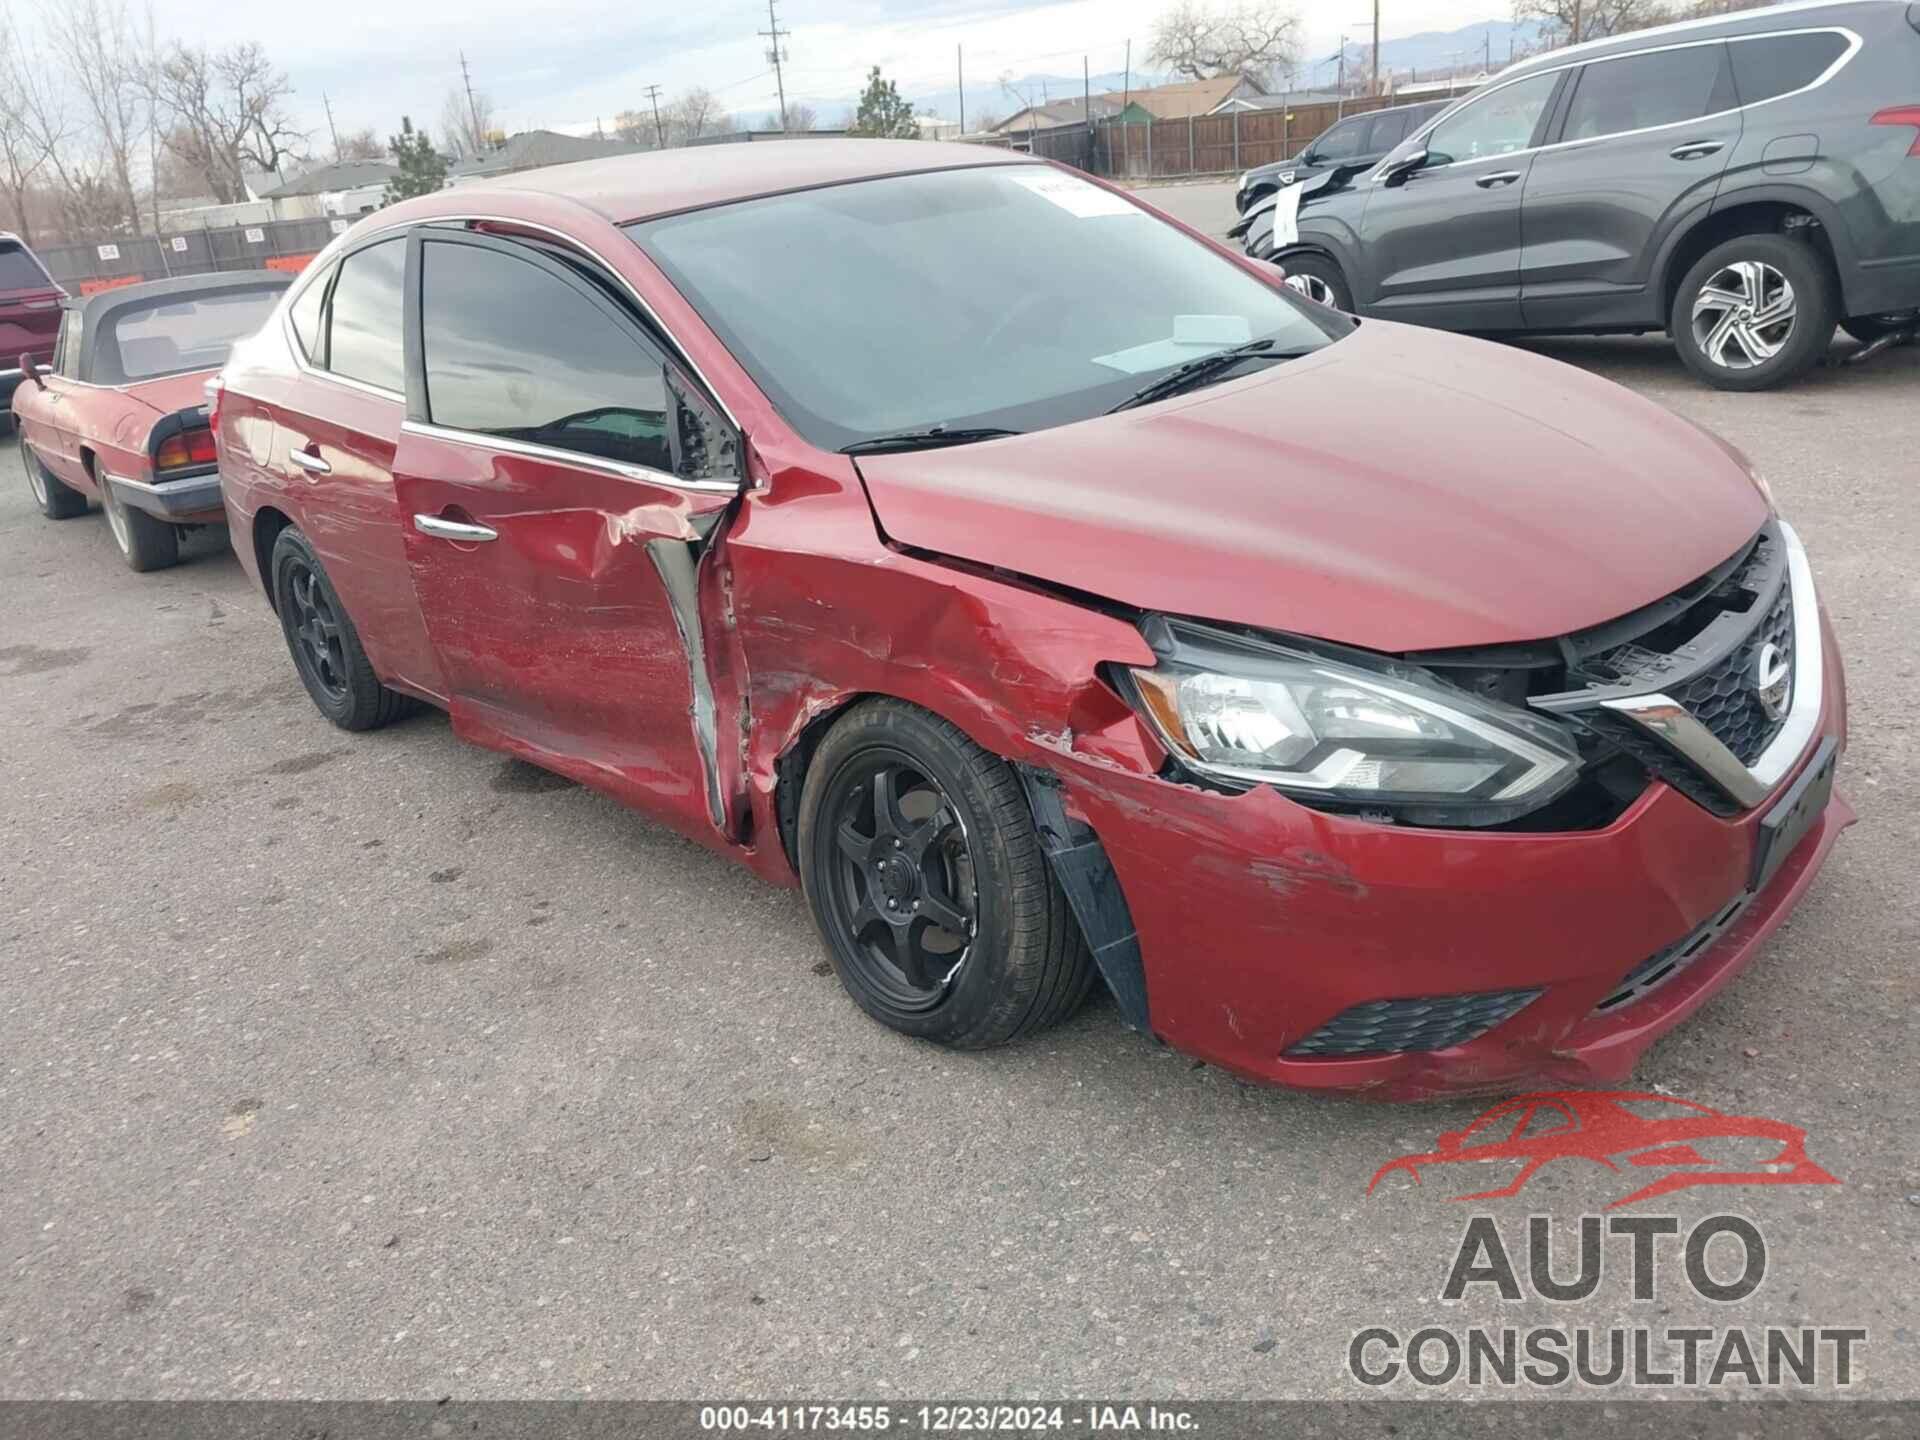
{"points": [[444, 529], [310, 461], [1499, 177], [1696, 149]]}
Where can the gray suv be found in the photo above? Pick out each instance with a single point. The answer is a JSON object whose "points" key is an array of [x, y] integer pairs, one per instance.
{"points": [[1744, 183]]}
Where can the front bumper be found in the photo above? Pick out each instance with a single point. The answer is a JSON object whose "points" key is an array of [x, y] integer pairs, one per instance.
{"points": [[1260, 920], [188, 500]]}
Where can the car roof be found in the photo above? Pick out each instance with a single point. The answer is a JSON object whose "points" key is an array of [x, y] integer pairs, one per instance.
{"points": [[622, 188], [98, 311], [1809, 15]]}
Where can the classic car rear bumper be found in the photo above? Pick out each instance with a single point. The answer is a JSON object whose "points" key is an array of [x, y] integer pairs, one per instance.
{"points": [[189, 500]]}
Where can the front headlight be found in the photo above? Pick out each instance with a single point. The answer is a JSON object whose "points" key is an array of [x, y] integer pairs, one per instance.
{"points": [[1245, 176], [1255, 712]]}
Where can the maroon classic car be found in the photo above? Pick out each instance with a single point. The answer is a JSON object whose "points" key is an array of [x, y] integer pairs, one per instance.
{"points": [[120, 416], [29, 311], [1049, 590]]}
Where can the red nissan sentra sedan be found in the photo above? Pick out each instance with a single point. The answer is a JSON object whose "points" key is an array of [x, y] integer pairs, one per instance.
{"points": [[1052, 593]]}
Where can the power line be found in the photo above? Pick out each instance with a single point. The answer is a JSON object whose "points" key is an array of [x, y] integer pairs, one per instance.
{"points": [[776, 56]]}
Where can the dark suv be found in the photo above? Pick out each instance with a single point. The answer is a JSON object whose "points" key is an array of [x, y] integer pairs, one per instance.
{"points": [[1743, 182], [1356, 140], [29, 314]]}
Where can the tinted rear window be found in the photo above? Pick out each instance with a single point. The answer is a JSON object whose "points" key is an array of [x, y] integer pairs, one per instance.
{"points": [[364, 333], [1663, 87], [19, 270], [1777, 65], [172, 337]]}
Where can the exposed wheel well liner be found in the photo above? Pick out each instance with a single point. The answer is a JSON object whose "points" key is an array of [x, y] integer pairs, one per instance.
{"points": [[267, 525], [1749, 217]]}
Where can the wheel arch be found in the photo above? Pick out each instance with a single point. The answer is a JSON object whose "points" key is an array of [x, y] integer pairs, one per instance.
{"points": [[268, 522], [1765, 210]]}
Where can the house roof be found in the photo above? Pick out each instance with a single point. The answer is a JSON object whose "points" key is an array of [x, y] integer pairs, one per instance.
{"points": [[531, 149], [1058, 113], [348, 175], [1190, 97]]}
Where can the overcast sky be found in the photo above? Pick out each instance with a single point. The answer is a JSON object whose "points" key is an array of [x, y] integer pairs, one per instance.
{"points": [[564, 64]]}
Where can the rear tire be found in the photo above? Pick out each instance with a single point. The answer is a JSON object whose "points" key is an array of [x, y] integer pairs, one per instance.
{"points": [[1320, 280], [1754, 312], [145, 543], [943, 919], [56, 501], [325, 647]]}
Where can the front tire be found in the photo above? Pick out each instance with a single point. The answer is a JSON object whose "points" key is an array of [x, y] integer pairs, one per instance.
{"points": [[144, 542], [920, 860], [56, 501], [325, 647], [1320, 280], [1754, 312]]}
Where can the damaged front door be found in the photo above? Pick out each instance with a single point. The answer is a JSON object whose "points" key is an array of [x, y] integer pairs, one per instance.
{"points": [[558, 481]]}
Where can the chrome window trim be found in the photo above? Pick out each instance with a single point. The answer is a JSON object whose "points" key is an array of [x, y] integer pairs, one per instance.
{"points": [[320, 261], [1854, 46], [1674, 724], [480, 439]]}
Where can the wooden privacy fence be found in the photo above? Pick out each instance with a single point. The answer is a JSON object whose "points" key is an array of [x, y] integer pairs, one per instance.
{"points": [[1194, 145], [86, 267]]}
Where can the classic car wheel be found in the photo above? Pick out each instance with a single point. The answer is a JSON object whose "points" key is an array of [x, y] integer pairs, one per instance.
{"points": [[325, 647], [145, 543], [1754, 312], [920, 860], [56, 501]]}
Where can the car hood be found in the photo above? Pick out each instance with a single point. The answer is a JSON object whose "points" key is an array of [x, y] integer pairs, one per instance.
{"points": [[1401, 489]]}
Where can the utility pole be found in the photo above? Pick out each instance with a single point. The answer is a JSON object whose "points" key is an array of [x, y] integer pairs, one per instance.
{"points": [[659, 130], [1373, 84], [1576, 22], [473, 109], [1086, 104], [776, 54], [1126, 80], [960, 78], [1340, 81], [330, 129]]}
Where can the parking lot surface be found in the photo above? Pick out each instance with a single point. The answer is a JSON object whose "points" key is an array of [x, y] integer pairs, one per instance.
{"points": [[379, 1065]]}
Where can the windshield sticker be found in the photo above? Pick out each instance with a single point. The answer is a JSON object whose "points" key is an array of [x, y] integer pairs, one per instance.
{"points": [[1074, 195], [1286, 217]]}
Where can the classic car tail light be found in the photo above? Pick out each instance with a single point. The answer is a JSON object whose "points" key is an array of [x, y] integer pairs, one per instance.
{"points": [[1902, 115], [189, 447]]}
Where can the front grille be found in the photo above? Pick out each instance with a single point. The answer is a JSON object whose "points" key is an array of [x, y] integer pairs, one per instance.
{"points": [[1668, 961], [1393, 1027], [1726, 698]]}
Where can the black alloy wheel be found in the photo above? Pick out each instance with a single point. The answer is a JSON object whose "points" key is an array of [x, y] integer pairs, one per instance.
{"points": [[903, 896], [325, 647], [314, 631]]}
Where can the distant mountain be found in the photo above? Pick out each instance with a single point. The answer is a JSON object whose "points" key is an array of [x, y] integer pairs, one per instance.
{"points": [[1437, 52], [985, 96]]}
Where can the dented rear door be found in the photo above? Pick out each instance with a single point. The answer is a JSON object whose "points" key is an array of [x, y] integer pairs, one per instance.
{"points": [[557, 495]]}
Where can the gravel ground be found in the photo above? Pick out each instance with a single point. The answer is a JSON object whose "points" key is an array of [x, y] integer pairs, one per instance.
{"points": [[379, 1066]]}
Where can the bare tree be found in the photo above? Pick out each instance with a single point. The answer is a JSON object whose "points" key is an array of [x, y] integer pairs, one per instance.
{"points": [[99, 52], [25, 144], [1568, 22], [801, 117], [359, 145], [467, 126], [1201, 39], [226, 113], [637, 127], [694, 115]]}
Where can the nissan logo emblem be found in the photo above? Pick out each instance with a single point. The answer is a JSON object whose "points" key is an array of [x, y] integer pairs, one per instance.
{"points": [[1773, 679]]}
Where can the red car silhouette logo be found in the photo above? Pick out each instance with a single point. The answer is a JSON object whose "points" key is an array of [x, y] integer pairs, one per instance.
{"points": [[1622, 1127]]}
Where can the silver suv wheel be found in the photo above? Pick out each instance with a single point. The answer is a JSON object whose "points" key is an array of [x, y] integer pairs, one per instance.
{"points": [[1313, 287], [1744, 315]]}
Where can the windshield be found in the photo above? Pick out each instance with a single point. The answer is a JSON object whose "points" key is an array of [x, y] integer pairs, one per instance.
{"points": [[1006, 297], [173, 336]]}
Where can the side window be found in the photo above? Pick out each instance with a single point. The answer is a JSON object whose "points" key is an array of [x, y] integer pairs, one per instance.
{"points": [[1642, 91], [1495, 124], [306, 317], [515, 351], [363, 331], [1389, 129], [1776, 65], [66, 360], [1342, 141]]}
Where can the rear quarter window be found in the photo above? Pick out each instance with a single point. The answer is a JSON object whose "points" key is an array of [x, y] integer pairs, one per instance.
{"points": [[1776, 65]]}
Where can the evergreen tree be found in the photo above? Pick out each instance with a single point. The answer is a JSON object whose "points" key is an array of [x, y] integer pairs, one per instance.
{"points": [[882, 113], [423, 169]]}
